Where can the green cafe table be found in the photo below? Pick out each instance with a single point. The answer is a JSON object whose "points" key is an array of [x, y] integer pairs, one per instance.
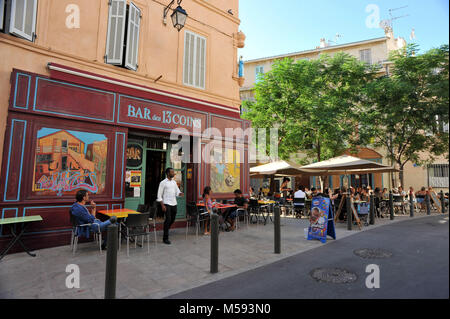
{"points": [[24, 222]]}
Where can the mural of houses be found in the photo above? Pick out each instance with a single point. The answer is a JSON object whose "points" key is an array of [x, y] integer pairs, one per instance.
{"points": [[62, 156]]}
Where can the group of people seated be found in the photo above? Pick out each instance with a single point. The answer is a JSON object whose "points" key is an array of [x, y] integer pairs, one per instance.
{"points": [[228, 215]]}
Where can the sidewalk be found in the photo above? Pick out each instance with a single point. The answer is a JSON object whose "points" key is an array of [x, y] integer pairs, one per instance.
{"points": [[166, 270]]}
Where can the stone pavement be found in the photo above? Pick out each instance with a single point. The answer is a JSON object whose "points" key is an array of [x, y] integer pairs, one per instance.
{"points": [[166, 270]]}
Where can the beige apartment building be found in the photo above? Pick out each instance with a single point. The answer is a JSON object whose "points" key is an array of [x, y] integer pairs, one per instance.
{"points": [[373, 51], [117, 76]]}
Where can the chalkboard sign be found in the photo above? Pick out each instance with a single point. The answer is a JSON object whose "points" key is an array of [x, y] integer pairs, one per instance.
{"points": [[436, 201]]}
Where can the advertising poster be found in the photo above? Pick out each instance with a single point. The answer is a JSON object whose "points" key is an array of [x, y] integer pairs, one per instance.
{"points": [[135, 179], [321, 221]]}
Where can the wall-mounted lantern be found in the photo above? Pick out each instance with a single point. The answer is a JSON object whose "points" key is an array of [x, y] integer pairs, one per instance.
{"points": [[178, 16]]}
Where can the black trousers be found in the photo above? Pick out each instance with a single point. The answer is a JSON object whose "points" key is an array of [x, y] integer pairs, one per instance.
{"points": [[170, 214]]}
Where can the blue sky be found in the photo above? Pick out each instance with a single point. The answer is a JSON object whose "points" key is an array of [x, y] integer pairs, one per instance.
{"points": [[279, 27]]}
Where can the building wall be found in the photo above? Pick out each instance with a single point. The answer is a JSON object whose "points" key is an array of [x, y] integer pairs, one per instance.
{"points": [[161, 48]]}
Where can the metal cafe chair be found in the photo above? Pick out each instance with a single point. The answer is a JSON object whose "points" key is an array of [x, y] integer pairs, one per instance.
{"points": [[399, 204], [254, 210], [299, 207], [151, 210], [75, 233], [195, 216], [137, 225], [242, 212]]}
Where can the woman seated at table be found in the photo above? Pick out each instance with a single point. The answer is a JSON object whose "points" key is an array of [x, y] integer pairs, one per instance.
{"points": [[385, 194], [364, 196], [420, 197], [207, 192]]}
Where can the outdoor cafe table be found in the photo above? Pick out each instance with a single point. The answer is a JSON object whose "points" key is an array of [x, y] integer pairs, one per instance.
{"points": [[24, 222], [120, 214]]}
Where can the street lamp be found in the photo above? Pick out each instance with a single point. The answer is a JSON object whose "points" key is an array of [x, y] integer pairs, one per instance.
{"points": [[178, 16]]}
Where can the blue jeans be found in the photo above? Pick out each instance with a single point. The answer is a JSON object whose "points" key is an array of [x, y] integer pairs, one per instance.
{"points": [[103, 227]]}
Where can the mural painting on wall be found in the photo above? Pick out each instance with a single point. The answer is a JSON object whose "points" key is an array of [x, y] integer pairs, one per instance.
{"points": [[225, 171], [67, 161]]}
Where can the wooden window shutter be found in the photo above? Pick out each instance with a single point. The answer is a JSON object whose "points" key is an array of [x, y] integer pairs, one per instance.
{"points": [[23, 18], [116, 32], [132, 48]]}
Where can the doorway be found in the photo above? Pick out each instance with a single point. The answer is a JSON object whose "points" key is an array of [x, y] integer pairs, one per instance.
{"points": [[147, 160]]}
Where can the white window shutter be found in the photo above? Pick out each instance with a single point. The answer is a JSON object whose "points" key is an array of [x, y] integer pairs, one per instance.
{"points": [[2, 13], [23, 18], [194, 69], [116, 32], [202, 62], [134, 22]]}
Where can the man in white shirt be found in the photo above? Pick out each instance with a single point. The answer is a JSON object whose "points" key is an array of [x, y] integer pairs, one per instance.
{"points": [[300, 193], [167, 196]]}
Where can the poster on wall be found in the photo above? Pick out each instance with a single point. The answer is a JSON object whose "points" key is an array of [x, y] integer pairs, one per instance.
{"points": [[135, 179], [321, 220], [66, 161], [225, 170]]}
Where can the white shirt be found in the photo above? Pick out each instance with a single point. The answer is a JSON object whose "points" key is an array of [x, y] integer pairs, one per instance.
{"points": [[168, 191], [299, 194]]}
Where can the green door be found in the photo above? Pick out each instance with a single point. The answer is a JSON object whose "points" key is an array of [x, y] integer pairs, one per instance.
{"points": [[135, 173]]}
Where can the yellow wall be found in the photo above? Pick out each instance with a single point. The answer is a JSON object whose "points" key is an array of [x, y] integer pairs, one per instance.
{"points": [[161, 48]]}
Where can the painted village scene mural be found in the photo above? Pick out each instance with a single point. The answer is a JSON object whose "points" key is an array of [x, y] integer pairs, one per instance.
{"points": [[67, 161]]}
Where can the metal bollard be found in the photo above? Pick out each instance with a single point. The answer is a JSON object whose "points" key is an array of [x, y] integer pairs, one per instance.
{"points": [[391, 205], [428, 204], [111, 262], [372, 210], [349, 213], [214, 243], [411, 205], [276, 223], [442, 202]]}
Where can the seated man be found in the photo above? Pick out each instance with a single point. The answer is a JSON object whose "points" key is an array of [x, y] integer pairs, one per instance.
{"points": [[231, 214], [82, 215]]}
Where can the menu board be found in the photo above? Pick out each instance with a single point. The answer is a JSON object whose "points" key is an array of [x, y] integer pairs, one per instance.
{"points": [[321, 220]]}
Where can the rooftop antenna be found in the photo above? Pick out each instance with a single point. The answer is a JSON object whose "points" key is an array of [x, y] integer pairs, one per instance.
{"points": [[336, 38], [389, 22]]}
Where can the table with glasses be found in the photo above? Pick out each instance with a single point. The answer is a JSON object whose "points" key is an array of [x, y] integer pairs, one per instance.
{"points": [[12, 223]]}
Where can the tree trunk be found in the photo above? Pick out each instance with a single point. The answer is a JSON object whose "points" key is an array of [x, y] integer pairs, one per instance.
{"points": [[401, 176]]}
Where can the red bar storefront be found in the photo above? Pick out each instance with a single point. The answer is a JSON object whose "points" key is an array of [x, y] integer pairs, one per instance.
{"points": [[77, 130]]}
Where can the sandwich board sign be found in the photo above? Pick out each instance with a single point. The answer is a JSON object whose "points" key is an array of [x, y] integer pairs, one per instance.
{"points": [[321, 220]]}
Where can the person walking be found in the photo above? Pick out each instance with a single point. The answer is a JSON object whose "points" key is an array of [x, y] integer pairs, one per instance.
{"points": [[168, 192]]}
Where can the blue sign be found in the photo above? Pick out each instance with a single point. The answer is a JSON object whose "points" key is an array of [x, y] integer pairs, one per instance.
{"points": [[321, 220]]}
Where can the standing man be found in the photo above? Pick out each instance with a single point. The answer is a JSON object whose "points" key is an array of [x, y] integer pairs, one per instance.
{"points": [[167, 196]]}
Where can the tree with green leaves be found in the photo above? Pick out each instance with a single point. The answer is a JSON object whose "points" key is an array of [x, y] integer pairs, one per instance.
{"points": [[311, 102], [404, 112]]}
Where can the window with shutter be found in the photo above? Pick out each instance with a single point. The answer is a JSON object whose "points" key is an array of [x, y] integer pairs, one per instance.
{"points": [[258, 70], [23, 18], [116, 32], [2, 13], [366, 56], [132, 49], [194, 69]]}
